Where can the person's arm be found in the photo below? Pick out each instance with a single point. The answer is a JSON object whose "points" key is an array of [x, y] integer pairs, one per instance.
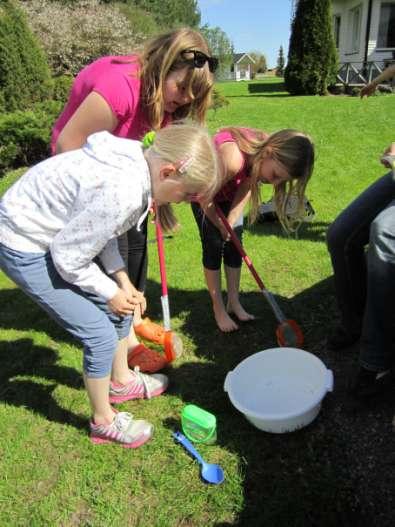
{"points": [[231, 161], [385, 75], [89, 233], [93, 115], [239, 202], [388, 157]]}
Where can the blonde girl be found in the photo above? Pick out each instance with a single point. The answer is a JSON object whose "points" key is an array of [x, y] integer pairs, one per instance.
{"points": [[247, 159], [128, 96], [63, 216]]}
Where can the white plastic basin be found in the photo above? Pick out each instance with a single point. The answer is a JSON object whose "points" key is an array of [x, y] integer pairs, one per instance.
{"points": [[280, 389]]}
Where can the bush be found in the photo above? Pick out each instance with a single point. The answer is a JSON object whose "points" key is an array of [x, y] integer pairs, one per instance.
{"points": [[25, 136], [24, 74], [75, 34], [218, 100], [62, 87]]}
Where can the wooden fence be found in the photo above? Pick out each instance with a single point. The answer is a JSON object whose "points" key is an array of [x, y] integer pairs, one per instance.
{"points": [[360, 73]]}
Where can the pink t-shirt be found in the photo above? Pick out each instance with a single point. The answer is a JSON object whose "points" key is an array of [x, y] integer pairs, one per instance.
{"points": [[228, 191], [116, 79]]}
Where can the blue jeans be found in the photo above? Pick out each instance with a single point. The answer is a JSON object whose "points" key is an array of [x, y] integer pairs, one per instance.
{"points": [[365, 280], [86, 316]]}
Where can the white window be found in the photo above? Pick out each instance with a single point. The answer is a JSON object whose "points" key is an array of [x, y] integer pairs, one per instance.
{"points": [[336, 29], [355, 25], [386, 37]]}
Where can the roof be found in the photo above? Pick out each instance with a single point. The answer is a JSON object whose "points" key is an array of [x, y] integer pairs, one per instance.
{"points": [[237, 57]]}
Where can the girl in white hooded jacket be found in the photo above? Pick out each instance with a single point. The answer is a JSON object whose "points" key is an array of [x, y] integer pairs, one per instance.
{"points": [[59, 225]]}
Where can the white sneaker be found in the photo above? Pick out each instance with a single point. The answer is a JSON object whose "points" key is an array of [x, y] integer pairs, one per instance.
{"points": [[142, 386], [128, 432]]}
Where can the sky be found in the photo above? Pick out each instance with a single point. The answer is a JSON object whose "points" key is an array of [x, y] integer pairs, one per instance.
{"points": [[252, 25]]}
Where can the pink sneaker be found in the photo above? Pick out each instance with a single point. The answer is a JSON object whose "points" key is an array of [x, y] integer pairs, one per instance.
{"points": [[128, 432], [142, 386]]}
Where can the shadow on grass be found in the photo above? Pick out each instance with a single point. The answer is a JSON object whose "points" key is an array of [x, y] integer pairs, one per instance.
{"points": [[271, 95], [19, 312], [311, 477], [265, 87], [22, 358], [314, 232]]}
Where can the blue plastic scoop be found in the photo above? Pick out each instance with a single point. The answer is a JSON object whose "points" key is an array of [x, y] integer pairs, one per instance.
{"points": [[210, 472]]}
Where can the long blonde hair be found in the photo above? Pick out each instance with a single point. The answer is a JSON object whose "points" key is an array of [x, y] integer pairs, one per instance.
{"points": [[163, 55], [190, 148], [295, 152]]}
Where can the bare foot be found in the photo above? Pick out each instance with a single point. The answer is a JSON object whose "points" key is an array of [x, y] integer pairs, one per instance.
{"points": [[240, 312], [224, 322]]}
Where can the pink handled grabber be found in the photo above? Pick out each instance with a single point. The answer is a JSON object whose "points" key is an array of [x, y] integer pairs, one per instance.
{"points": [[172, 343], [288, 331]]}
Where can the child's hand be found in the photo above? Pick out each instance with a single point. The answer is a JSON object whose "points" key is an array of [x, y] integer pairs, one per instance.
{"points": [[120, 305], [134, 296], [388, 157]]}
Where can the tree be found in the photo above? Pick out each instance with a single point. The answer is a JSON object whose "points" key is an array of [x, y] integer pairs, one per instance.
{"points": [[24, 73], [220, 46], [260, 65], [280, 63], [171, 13], [312, 56]]}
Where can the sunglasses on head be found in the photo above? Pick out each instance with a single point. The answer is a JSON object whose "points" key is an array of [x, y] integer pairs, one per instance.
{"points": [[199, 59]]}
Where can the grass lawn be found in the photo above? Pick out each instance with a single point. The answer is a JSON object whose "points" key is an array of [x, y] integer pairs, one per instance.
{"points": [[334, 472]]}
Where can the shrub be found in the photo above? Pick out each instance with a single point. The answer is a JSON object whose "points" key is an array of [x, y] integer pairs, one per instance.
{"points": [[62, 87], [312, 56], [218, 100], [25, 135], [24, 74], [74, 34]]}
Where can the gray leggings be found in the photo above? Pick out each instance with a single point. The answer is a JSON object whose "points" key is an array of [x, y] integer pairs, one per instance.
{"points": [[86, 316]]}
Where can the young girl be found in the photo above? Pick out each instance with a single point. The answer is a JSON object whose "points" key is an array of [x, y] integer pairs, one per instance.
{"points": [[128, 96], [247, 158], [58, 228]]}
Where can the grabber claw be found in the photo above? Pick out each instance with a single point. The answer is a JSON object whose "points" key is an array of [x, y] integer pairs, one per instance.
{"points": [[289, 334]]}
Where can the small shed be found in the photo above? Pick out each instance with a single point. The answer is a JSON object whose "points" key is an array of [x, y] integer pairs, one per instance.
{"points": [[241, 68]]}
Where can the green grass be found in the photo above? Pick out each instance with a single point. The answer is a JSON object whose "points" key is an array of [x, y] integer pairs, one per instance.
{"points": [[50, 472]]}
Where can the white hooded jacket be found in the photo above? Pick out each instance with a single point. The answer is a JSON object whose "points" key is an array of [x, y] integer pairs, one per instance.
{"points": [[76, 204]]}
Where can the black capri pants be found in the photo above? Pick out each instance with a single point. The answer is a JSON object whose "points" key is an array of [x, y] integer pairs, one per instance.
{"points": [[214, 248], [133, 249]]}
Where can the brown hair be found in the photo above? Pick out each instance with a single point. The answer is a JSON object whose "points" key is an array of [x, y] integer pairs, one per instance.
{"points": [[295, 152], [161, 56]]}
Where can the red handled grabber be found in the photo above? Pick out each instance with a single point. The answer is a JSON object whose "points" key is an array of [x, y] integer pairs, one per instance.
{"points": [[145, 358], [172, 343], [288, 332]]}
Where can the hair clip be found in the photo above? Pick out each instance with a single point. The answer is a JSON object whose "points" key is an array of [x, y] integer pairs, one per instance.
{"points": [[148, 139], [185, 164]]}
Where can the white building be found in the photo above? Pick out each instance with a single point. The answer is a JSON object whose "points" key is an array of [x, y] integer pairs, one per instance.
{"points": [[241, 68], [365, 37]]}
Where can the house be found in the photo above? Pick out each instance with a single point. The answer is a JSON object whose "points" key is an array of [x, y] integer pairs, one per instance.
{"points": [[241, 67], [364, 33]]}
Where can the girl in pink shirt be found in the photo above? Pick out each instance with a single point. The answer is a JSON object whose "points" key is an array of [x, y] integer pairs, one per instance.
{"points": [[247, 158], [128, 96]]}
